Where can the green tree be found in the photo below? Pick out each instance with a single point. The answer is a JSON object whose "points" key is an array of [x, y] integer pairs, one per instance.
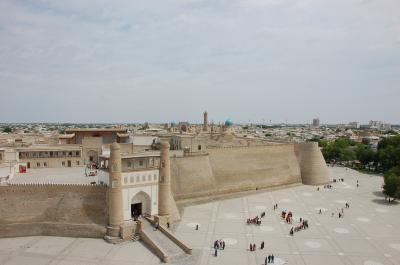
{"points": [[7, 129], [391, 186]]}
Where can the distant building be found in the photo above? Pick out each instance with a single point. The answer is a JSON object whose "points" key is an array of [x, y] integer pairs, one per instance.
{"points": [[353, 125], [315, 122], [379, 125]]}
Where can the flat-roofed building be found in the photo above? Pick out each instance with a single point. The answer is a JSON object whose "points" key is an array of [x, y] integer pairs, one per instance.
{"points": [[50, 156], [107, 135]]}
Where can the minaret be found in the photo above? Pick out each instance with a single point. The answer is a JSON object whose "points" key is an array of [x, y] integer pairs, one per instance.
{"points": [[164, 189], [205, 122], [116, 218]]}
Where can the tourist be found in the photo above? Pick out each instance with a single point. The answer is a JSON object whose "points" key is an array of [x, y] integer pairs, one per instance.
{"points": [[272, 258], [266, 260], [216, 252], [197, 227], [223, 245], [269, 258], [251, 247], [320, 211], [168, 225], [254, 247], [262, 245]]}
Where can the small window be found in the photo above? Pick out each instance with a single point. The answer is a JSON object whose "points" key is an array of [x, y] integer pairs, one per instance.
{"points": [[155, 177], [63, 163], [70, 153], [129, 164], [38, 164], [132, 179], [143, 178], [45, 164], [199, 147], [77, 162], [140, 162], [137, 178], [77, 153], [125, 180]]}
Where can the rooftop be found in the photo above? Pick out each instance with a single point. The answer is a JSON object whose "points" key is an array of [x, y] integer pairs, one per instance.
{"points": [[121, 130], [63, 147]]}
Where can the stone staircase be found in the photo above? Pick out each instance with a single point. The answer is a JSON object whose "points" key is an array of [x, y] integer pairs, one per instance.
{"points": [[174, 253]]}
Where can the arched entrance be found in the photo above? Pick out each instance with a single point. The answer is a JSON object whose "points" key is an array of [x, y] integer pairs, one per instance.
{"points": [[140, 204], [92, 156]]}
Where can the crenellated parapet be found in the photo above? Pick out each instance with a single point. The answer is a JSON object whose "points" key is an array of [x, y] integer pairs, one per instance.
{"points": [[51, 187], [312, 164]]}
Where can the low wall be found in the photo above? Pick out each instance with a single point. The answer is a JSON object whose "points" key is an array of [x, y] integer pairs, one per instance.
{"points": [[62, 210], [234, 169]]}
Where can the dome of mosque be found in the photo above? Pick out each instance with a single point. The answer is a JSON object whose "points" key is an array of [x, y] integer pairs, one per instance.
{"points": [[228, 122]]}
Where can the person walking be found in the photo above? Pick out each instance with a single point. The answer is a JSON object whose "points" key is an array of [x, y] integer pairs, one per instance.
{"points": [[272, 258], [262, 245], [216, 253], [223, 245], [197, 227], [266, 260], [251, 247], [254, 247]]}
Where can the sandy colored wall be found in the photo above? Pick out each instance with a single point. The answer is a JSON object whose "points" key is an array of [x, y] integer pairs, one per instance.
{"points": [[227, 170], [62, 210], [312, 164], [191, 176]]}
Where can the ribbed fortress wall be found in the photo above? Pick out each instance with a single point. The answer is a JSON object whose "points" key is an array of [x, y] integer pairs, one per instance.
{"points": [[51, 209], [227, 170], [312, 164]]}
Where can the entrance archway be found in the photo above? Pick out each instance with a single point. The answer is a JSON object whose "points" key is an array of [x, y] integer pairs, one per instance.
{"points": [[140, 204], [92, 156]]}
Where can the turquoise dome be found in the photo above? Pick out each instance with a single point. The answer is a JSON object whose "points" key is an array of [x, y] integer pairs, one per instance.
{"points": [[228, 122]]}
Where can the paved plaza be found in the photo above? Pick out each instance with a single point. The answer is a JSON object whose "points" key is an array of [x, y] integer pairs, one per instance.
{"points": [[368, 234]]}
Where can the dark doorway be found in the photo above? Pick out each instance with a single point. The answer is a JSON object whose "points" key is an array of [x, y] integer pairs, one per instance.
{"points": [[28, 165], [136, 210], [69, 163]]}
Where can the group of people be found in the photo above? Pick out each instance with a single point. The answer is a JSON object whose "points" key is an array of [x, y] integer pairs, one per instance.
{"points": [[218, 244], [269, 259], [253, 246], [303, 225], [339, 180], [287, 216], [256, 220], [275, 206]]}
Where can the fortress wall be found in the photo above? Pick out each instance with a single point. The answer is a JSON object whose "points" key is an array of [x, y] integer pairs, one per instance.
{"points": [[312, 164], [191, 175], [227, 170], [255, 167], [62, 210]]}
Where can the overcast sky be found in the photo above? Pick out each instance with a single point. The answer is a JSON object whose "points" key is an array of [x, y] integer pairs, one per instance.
{"points": [[162, 61]]}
